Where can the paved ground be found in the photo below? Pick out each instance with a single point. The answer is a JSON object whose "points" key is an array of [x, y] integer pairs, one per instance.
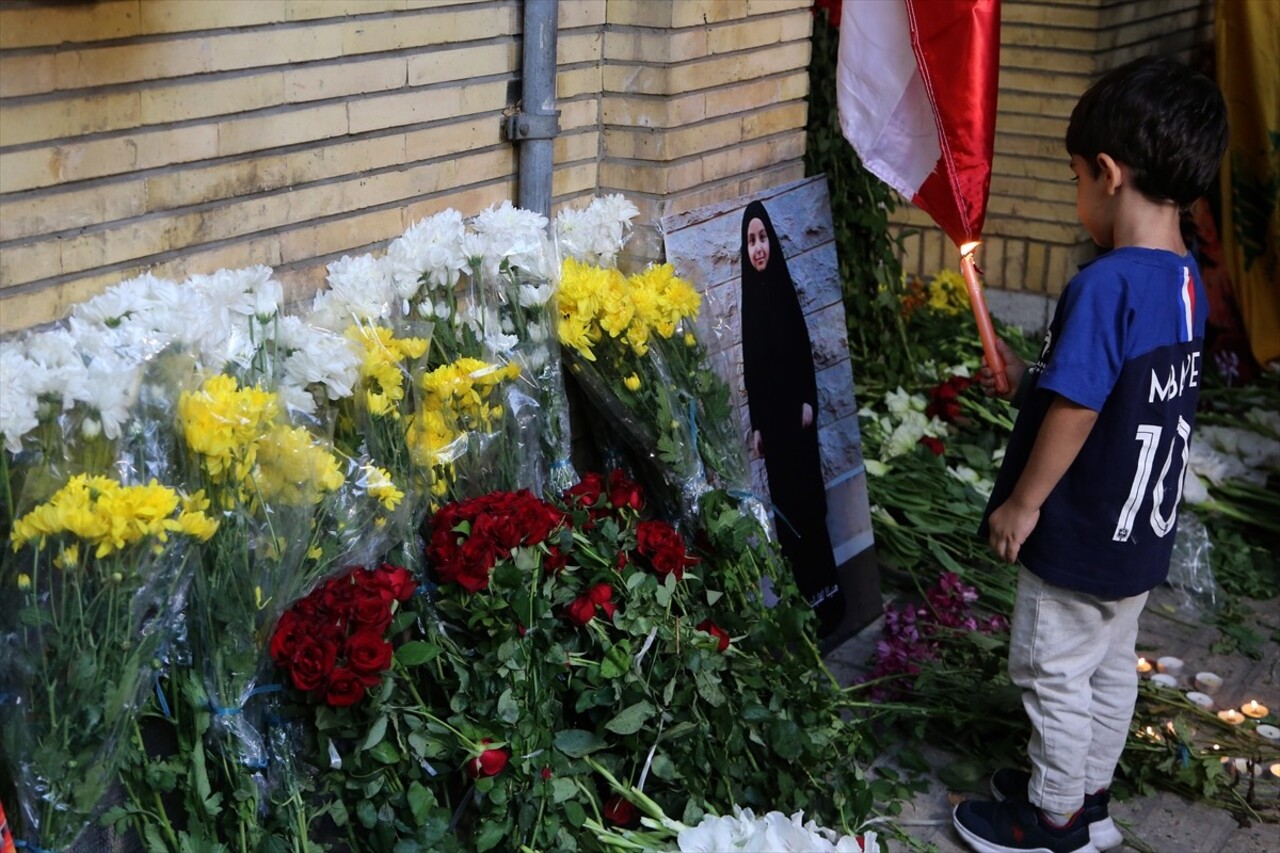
{"points": [[1165, 822]]}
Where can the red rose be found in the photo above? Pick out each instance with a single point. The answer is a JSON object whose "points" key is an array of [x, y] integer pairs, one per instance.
{"points": [[600, 593], [934, 444], [555, 560], [489, 763], [546, 773], [312, 662], [521, 629], [621, 562], [722, 637], [620, 811], [367, 652], [285, 639], [661, 544], [345, 688], [624, 493], [587, 492], [398, 579], [370, 611], [609, 609], [580, 611]]}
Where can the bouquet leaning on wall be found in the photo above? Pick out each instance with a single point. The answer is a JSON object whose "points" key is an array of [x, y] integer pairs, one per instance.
{"points": [[101, 549]]}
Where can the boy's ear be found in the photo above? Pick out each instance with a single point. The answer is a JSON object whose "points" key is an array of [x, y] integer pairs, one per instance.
{"points": [[1110, 173]]}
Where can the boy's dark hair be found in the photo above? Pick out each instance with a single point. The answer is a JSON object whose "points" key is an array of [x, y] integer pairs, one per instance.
{"points": [[1167, 123]]}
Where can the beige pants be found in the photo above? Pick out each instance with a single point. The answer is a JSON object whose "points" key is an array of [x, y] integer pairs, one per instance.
{"points": [[1073, 656]]}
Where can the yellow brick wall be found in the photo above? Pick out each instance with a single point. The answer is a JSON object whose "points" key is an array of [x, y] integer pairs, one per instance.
{"points": [[1051, 50], [703, 100], [186, 136], [183, 136]]}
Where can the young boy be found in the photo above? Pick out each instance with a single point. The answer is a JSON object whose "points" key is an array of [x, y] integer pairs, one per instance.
{"points": [[1087, 498]]}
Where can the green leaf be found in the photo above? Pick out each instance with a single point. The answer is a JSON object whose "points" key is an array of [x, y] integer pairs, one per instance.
{"points": [[385, 752], [574, 814], [617, 660], [376, 733], [490, 835], [629, 720], [713, 595], [563, 789], [367, 814], [576, 743], [420, 802], [416, 653], [784, 737], [508, 708]]}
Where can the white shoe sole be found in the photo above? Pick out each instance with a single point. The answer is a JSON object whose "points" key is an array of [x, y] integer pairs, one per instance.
{"points": [[1105, 834], [982, 845]]}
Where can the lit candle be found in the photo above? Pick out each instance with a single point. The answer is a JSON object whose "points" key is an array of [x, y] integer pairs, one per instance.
{"points": [[1268, 732], [1170, 665], [1254, 710], [1208, 682], [1232, 716], [1275, 770], [1144, 666], [1201, 700]]}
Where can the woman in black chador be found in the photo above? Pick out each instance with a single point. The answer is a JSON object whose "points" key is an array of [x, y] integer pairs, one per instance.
{"points": [[782, 397]]}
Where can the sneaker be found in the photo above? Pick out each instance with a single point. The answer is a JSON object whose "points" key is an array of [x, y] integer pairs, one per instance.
{"points": [[1016, 826], [1010, 784]]}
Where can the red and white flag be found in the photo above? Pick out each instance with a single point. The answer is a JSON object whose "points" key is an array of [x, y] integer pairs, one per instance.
{"points": [[916, 86]]}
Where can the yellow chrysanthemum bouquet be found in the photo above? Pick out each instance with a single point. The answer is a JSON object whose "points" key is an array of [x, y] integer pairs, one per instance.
{"points": [[293, 511], [632, 345], [94, 581]]}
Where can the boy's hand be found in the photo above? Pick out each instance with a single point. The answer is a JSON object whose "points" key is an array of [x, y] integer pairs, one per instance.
{"points": [[1014, 367], [1010, 525]]}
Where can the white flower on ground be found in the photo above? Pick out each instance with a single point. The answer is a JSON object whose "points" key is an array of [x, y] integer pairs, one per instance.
{"points": [[773, 832], [965, 474]]}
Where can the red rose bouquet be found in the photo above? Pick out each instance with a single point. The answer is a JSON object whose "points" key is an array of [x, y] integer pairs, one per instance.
{"points": [[332, 643]]}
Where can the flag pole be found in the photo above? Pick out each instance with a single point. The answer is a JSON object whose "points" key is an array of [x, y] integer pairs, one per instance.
{"points": [[986, 331]]}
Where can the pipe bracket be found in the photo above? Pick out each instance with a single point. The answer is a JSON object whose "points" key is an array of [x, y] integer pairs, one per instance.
{"points": [[521, 126]]}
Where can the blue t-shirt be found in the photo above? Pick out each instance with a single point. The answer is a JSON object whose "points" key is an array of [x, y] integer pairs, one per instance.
{"points": [[1126, 341]]}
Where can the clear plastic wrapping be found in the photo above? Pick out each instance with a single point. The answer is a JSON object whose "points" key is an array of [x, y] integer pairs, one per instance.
{"points": [[1190, 567]]}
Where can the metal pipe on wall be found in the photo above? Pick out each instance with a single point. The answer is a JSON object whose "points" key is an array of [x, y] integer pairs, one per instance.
{"points": [[535, 125]]}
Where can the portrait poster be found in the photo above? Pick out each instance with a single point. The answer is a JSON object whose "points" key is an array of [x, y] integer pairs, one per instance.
{"points": [[755, 327]]}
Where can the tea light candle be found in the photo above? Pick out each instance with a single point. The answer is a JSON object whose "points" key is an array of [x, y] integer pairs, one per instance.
{"points": [[1254, 710], [1275, 770], [1202, 700], [1267, 732], [1232, 716], [1164, 679], [1242, 767], [1208, 682], [1144, 666], [1170, 666]]}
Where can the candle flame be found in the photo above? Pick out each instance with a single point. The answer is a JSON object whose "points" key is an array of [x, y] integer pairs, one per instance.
{"points": [[968, 248]]}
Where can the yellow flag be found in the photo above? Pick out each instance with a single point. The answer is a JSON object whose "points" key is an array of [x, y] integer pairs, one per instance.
{"points": [[1248, 51]]}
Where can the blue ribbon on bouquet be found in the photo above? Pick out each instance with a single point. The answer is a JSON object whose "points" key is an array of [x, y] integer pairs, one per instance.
{"points": [[221, 711]]}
